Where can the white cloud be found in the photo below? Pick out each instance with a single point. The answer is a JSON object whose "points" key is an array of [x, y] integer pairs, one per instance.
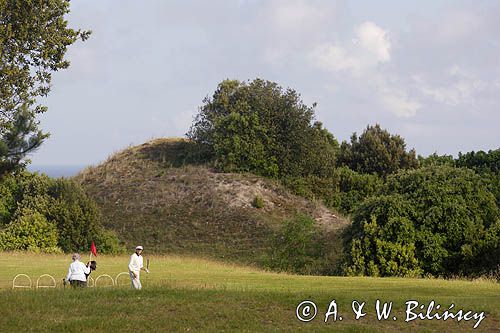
{"points": [[287, 27], [370, 46], [375, 40], [461, 87], [335, 58], [361, 58], [398, 102]]}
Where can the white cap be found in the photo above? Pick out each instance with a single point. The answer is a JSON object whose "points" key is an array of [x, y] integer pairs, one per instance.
{"points": [[138, 247]]}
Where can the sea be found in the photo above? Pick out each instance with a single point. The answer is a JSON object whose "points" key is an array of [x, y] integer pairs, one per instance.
{"points": [[57, 171]]}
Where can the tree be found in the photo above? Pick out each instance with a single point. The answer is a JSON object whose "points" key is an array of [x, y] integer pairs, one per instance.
{"points": [[260, 127], [480, 161], [20, 137], [34, 37], [377, 151], [435, 159]]}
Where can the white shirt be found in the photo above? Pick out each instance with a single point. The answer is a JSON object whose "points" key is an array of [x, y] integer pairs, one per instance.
{"points": [[77, 271], [136, 263]]}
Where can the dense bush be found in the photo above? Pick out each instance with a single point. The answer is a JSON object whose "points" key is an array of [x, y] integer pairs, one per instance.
{"points": [[342, 191], [29, 231], [354, 187], [301, 247], [75, 214], [107, 242], [58, 205], [438, 220], [261, 128], [485, 164]]}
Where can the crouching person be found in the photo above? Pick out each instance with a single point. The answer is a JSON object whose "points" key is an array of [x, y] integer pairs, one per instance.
{"points": [[77, 272]]}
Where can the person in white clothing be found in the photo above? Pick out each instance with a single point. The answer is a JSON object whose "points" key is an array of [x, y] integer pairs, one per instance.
{"points": [[135, 266], [76, 273]]}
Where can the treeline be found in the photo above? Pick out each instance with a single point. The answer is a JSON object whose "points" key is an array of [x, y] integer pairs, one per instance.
{"points": [[412, 215], [41, 214]]}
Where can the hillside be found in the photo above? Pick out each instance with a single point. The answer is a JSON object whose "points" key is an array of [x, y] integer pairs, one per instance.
{"points": [[149, 195]]}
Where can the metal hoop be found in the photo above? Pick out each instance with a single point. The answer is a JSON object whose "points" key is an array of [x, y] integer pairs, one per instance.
{"points": [[14, 285], [106, 276], [90, 279], [46, 286], [120, 274]]}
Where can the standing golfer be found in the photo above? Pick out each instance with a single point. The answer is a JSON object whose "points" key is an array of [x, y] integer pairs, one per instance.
{"points": [[134, 267], [76, 273]]}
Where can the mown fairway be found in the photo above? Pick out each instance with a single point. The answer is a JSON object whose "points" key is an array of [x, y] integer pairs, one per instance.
{"points": [[185, 294]]}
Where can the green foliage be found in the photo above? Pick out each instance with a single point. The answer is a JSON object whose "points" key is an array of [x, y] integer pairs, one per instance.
{"points": [[18, 138], [435, 159], [75, 214], [259, 127], [63, 205], [299, 247], [375, 253], [314, 188], [258, 202], [343, 190], [8, 186], [34, 36], [354, 187], [439, 220], [107, 242], [175, 153], [382, 239], [29, 231], [487, 165], [377, 151], [480, 161]]}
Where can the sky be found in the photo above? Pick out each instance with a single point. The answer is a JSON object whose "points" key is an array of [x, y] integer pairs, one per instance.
{"points": [[426, 70]]}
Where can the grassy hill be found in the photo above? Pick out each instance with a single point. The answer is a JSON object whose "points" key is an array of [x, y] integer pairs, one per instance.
{"points": [[152, 195]]}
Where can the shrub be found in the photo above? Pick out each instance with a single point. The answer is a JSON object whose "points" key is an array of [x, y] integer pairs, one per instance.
{"points": [[354, 187], [444, 217], [300, 247], [61, 202], [258, 202], [75, 214], [30, 231], [107, 242], [343, 190], [386, 248]]}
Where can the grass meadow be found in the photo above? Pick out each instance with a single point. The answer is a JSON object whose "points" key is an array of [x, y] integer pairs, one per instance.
{"points": [[183, 294]]}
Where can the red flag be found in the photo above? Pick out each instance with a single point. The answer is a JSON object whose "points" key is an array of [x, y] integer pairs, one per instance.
{"points": [[93, 249]]}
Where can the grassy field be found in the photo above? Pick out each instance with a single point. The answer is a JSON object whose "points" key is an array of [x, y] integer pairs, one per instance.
{"points": [[187, 294]]}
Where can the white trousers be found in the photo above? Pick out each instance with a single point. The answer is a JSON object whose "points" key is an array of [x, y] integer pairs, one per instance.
{"points": [[136, 283]]}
